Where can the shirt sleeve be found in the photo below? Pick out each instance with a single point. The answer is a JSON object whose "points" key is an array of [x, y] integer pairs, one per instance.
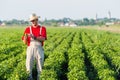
{"points": [[44, 33], [26, 31]]}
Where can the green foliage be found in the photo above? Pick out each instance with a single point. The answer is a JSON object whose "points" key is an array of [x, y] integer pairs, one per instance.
{"points": [[66, 51]]}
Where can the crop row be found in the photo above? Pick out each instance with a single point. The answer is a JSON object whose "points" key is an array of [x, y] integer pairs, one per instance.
{"points": [[76, 66], [70, 54], [55, 62]]}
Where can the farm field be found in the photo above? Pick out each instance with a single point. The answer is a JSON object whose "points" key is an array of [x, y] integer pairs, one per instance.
{"points": [[70, 54]]}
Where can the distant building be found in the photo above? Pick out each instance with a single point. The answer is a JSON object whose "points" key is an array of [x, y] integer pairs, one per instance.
{"points": [[61, 24], [109, 23], [2, 24], [66, 24], [117, 22], [71, 24]]}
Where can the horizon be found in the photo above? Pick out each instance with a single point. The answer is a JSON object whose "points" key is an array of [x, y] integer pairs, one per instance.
{"points": [[60, 18]]}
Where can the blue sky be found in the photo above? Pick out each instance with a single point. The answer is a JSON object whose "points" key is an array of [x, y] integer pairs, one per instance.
{"points": [[57, 9]]}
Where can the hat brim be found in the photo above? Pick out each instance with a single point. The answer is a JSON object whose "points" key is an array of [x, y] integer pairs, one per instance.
{"points": [[33, 18]]}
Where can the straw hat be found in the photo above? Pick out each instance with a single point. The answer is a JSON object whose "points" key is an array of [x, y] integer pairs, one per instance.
{"points": [[33, 17]]}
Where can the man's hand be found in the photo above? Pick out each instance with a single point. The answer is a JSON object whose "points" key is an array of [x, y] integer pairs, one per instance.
{"points": [[40, 38], [32, 36], [25, 38]]}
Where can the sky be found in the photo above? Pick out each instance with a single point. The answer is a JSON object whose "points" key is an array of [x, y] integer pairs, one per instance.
{"points": [[58, 9]]}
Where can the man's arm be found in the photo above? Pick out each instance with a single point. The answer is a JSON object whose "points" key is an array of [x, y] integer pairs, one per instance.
{"points": [[40, 38], [25, 37]]}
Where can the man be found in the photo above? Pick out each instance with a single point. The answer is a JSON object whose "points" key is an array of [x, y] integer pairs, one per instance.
{"points": [[34, 36]]}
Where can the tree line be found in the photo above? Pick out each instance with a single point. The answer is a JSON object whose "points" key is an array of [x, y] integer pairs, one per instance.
{"points": [[54, 22]]}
